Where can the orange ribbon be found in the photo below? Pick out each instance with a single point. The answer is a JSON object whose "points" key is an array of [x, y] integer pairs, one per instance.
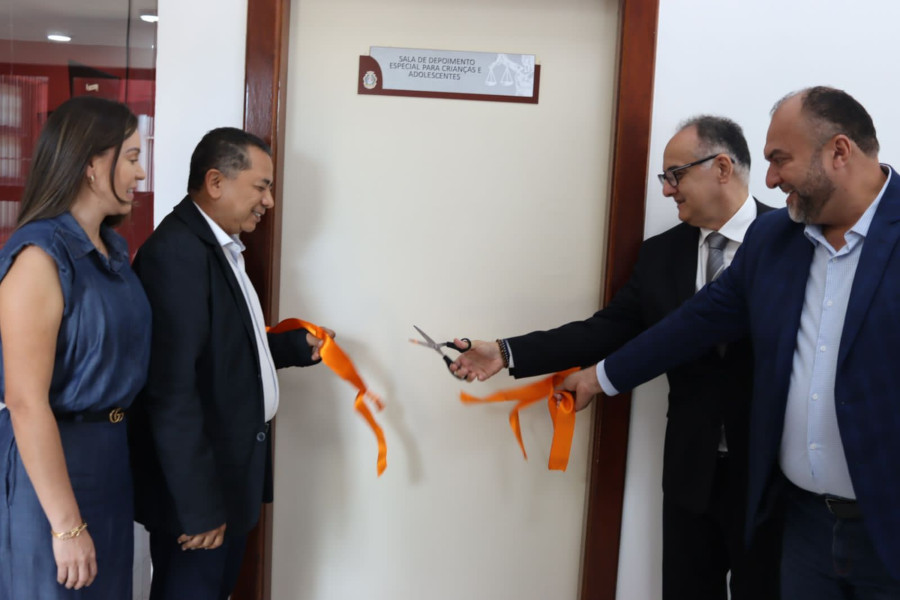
{"points": [[562, 414], [337, 360]]}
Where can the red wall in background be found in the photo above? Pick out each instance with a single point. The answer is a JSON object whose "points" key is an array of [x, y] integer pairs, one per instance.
{"points": [[138, 90]]}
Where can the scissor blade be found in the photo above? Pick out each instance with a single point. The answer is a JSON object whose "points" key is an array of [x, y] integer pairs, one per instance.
{"points": [[425, 335]]}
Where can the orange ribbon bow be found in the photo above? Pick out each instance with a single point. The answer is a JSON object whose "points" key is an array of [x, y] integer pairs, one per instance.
{"points": [[562, 414], [338, 361]]}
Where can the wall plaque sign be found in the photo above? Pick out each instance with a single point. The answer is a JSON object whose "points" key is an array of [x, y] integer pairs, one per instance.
{"points": [[449, 74]]}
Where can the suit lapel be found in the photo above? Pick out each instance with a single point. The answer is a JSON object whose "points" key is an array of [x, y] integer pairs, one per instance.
{"points": [[188, 212], [788, 278], [236, 291], [876, 252]]}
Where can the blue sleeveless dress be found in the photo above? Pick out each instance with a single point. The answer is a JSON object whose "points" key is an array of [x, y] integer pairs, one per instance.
{"points": [[102, 354]]}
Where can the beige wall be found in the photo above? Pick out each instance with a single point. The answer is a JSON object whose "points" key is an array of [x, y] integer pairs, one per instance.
{"points": [[465, 218]]}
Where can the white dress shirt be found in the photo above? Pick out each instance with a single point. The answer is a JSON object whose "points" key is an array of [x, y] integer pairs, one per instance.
{"points": [[233, 249], [734, 229]]}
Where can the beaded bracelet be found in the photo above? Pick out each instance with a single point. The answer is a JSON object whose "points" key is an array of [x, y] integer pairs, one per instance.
{"points": [[72, 533], [504, 353]]}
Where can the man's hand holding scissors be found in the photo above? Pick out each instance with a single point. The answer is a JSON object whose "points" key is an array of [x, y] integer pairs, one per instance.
{"points": [[482, 361], [457, 344]]}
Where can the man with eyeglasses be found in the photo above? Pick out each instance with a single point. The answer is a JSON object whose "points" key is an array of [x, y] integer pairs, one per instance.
{"points": [[706, 170]]}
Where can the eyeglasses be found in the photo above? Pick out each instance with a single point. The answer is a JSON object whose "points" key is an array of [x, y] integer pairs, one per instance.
{"points": [[671, 176]]}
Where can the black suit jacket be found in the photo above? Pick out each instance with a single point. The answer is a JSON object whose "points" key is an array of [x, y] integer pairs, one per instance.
{"points": [[704, 394], [201, 452]]}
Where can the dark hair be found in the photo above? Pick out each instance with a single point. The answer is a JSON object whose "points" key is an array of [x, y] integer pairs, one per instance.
{"points": [[80, 129], [720, 134], [223, 149], [836, 112], [831, 111]]}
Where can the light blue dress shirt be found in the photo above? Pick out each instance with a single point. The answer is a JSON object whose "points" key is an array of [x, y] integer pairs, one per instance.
{"points": [[812, 454]]}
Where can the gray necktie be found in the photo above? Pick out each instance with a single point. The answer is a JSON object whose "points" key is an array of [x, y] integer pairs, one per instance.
{"points": [[715, 264], [715, 259]]}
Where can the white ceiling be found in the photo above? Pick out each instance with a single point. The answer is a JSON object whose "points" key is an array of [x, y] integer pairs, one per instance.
{"points": [[88, 22]]}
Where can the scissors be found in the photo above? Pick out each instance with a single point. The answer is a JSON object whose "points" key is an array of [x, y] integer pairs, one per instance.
{"points": [[430, 343]]}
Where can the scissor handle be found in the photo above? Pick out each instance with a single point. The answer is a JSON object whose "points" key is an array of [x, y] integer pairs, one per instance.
{"points": [[449, 362], [453, 346]]}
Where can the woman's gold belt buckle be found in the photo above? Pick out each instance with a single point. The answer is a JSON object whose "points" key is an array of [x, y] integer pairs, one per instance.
{"points": [[116, 415]]}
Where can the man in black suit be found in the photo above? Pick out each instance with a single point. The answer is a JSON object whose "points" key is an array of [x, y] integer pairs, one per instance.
{"points": [[201, 449], [706, 166]]}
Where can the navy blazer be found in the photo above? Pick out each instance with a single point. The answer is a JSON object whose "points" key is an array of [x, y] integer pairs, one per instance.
{"points": [[705, 393], [201, 453], [762, 294]]}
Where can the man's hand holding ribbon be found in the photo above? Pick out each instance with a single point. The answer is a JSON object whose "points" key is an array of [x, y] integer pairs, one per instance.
{"points": [[583, 385]]}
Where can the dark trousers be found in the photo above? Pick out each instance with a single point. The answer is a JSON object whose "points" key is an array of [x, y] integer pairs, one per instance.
{"points": [[700, 549], [827, 558], [194, 574]]}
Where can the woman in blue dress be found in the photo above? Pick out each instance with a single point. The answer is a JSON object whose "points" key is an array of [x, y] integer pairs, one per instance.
{"points": [[75, 340]]}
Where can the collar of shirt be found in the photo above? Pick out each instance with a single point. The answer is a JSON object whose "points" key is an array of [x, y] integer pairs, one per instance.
{"points": [[860, 228], [79, 244], [735, 227], [733, 230], [224, 239]]}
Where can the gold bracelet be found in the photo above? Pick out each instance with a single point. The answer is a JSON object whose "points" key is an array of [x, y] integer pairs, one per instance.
{"points": [[72, 533]]}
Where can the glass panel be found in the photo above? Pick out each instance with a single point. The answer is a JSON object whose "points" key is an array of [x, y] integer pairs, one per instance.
{"points": [[111, 53]]}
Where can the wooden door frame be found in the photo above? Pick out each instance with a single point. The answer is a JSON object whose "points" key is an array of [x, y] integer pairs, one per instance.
{"points": [[265, 86], [625, 232], [268, 26]]}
